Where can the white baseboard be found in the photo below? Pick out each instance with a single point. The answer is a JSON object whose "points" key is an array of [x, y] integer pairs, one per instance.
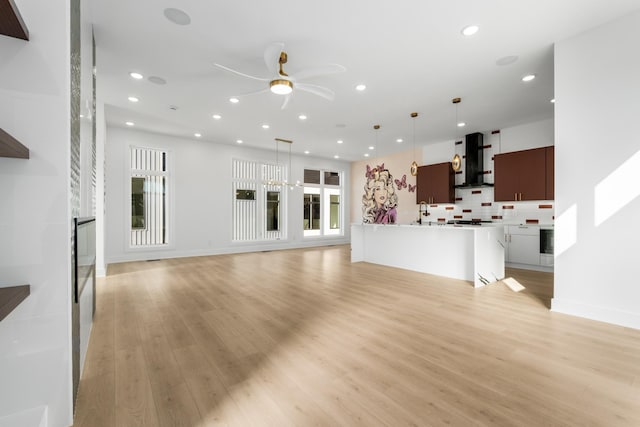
{"points": [[35, 417], [546, 268], [599, 313], [238, 248], [101, 271]]}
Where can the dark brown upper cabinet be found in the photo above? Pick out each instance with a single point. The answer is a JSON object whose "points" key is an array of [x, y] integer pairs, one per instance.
{"points": [[435, 184], [550, 165], [11, 23], [524, 175]]}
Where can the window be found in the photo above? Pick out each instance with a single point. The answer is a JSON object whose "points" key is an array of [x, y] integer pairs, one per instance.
{"points": [[334, 209], [322, 208], [311, 176], [332, 178], [311, 210], [243, 194], [273, 210], [259, 205], [137, 203], [149, 212]]}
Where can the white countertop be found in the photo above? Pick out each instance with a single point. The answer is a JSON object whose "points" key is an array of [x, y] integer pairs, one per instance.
{"points": [[438, 225]]}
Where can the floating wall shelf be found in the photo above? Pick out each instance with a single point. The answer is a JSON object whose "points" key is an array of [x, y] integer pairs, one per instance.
{"points": [[11, 147], [11, 297], [11, 23]]}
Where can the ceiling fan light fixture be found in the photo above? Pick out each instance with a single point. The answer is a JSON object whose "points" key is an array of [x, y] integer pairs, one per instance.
{"points": [[281, 86]]}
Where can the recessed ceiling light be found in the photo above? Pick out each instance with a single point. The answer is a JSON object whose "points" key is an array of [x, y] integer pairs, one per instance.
{"points": [[461, 124], [135, 75], [82, 116], [197, 135], [399, 140], [340, 141], [371, 147], [177, 16], [239, 141], [133, 99], [528, 77], [302, 117], [234, 100], [336, 157], [470, 30], [506, 60], [129, 123], [265, 126], [553, 101], [306, 151], [157, 80], [361, 87], [217, 116], [366, 154]]}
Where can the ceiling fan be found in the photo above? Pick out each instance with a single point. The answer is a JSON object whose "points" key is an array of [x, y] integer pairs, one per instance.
{"points": [[282, 83]]}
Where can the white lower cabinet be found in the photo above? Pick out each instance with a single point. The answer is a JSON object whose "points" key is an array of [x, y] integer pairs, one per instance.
{"points": [[546, 260], [522, 244]]}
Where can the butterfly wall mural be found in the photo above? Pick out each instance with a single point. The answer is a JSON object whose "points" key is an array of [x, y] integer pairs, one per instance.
{"points": [[401, 183], [380, 198]]}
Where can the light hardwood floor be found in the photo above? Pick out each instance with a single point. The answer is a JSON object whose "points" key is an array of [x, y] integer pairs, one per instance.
{"points": [[305, 337]]}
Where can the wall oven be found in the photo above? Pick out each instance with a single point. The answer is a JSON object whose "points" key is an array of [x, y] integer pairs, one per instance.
{"points": [[546, 241], [546, 246]]}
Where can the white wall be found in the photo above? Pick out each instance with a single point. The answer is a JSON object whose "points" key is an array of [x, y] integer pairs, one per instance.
{"points": [[202, 196], [35, 345], [523, 137], [597, 160]]}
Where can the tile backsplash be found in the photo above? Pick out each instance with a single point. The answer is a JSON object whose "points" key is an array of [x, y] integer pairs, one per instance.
{"points": [[477, 203]]}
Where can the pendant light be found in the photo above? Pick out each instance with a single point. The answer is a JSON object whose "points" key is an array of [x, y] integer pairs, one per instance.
{"points": [[456, 162], [376, 128], [414, 165], [279, 181]]}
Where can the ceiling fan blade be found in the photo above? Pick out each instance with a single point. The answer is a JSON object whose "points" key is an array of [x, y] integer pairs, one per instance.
{"points": [[255, 92], [241, 74], [316, 90], [319, 71], [287, 98], [272, 56]]}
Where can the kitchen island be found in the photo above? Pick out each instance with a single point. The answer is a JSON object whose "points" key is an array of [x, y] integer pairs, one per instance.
{"points": [[468, 252]]}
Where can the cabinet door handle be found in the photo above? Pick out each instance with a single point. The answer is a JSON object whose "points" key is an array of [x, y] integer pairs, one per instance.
{"points": [[515, 196]]}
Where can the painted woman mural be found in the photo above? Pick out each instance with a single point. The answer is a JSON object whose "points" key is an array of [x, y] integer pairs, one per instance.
{"points": [[379, 200]]}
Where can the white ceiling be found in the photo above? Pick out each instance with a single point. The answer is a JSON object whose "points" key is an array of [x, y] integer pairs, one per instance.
{"points": [[410, 54]]}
